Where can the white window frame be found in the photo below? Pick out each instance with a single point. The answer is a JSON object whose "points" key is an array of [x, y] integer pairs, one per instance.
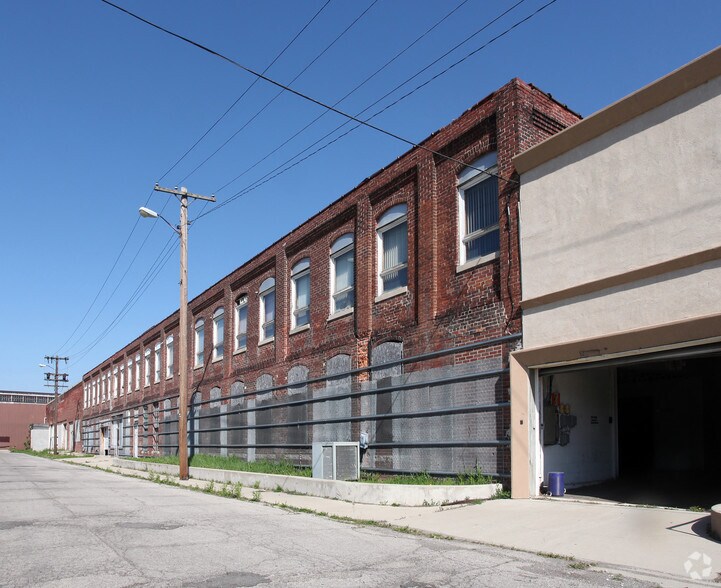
{"points": [[130, 376], [218, 340], [266, 288], [472, 176], [157, 363], [169, 357], [121, 373], [341, 246], [137, 372], [199, 343], [146, 368], [115, 383], [299, 271], [390, 219], [241, 305]]}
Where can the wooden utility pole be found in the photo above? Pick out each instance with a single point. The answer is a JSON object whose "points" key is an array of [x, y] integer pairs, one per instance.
{"points": [[56, 378], [182, 231]]}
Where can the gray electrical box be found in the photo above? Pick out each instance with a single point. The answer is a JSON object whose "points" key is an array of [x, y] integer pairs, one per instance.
{"points": [[336, 461]]}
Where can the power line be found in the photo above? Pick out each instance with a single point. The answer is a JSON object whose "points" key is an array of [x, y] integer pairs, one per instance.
{"points": [[120, 280], [301, 94], [132, 231], [352, 91], [105, 281], [255, 81], [155, 269], [271, 175], [274, 98]]}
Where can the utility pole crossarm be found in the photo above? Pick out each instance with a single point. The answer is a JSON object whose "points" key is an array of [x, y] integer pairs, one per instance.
{"points": [[183, 192]]}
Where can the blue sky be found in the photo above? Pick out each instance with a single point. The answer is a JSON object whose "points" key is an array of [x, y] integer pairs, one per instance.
{"points": [[95, 107]]}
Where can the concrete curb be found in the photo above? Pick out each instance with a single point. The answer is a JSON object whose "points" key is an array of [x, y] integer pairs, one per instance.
{"points": [[716, 522], [382, 494]]}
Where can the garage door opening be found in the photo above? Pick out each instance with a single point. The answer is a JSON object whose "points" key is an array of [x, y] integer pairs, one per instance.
{"points": [[643, 432]]}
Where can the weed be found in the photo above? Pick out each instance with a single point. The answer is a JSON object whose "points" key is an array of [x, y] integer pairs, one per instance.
{"points": [[579, 565], [501, 494], [278, 488], [220, 462], [210, 488], [697, 509], [554, 555], [256, 485], [256, 496]]}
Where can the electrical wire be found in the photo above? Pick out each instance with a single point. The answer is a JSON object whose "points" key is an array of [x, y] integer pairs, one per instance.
{"points": [[300, 94], [222, 116], [352, 91], [272, 174], [274, 98], [187, 152]]}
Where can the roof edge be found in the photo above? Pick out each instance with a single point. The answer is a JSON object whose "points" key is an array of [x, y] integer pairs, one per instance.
{"points": [[678, 82]]}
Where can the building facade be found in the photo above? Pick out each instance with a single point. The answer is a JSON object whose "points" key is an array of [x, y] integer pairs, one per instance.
{"points": [[19, 410], [69, 419], [621, 248], [389, 313]]}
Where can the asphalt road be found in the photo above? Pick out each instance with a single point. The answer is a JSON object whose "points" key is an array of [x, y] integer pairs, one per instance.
{"points": [[67, 525]]}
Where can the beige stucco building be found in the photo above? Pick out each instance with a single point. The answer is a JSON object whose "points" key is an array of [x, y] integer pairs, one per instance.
{"points": [[620, 221]]}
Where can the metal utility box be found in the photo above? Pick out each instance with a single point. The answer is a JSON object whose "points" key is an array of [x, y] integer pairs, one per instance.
{"points": [[336, 461]]}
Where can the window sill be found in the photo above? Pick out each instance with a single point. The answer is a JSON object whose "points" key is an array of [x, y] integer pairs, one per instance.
{"points": [[392, 294], [197, 367], [476, 262], [217, 359], [266, 341], [168, 378], [239, 351], [340, 314], [299, 329]]}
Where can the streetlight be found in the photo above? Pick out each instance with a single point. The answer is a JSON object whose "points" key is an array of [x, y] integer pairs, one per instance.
{"points": [[182, 231]]}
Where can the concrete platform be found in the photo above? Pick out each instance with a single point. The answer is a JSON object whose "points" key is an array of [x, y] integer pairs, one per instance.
{"points": [[366, 493]]}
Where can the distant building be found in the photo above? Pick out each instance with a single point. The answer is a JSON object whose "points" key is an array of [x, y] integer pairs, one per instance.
{"points": [[70, 414], [18, 410]]}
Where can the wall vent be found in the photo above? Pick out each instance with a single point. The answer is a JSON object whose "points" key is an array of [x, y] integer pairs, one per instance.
{"points": [[336, 461], [546, 123]]}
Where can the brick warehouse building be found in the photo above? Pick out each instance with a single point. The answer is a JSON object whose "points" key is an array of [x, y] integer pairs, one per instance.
{"points": [[19, 410], [414, 272], [70, 415]]}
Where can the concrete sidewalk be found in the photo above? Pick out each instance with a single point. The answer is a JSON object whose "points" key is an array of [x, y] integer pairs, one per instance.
{"points": [[666, 546]]}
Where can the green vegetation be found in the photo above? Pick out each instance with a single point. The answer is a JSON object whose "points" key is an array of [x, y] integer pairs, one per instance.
{"points": [[48, 453], [218, 462], [469, 478], [579, 565], [287, 468]]}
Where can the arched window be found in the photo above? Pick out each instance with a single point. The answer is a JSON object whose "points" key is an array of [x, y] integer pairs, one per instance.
{"points": [[479, 233], [241, 322], [267, 310], [199, 343], [300, 294], [169, 357], [342, 274], [393, 249], [218, 333]]}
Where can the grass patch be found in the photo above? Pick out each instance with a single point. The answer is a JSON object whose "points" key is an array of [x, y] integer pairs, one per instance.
{"points": [[469, 478], [579, 565], [48, 453], [287, 468], [219, 462]]}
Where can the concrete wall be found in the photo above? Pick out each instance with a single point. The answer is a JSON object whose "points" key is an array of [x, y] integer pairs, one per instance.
{"points": [[642, 194], [590, 455]]}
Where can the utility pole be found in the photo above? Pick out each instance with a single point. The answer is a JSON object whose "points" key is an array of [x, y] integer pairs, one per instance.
{"points": [[56, 380], [182, 231]]}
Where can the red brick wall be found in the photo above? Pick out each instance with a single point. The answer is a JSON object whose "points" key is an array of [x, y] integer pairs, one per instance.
{"points": [[442, 308], [15, 421]]}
